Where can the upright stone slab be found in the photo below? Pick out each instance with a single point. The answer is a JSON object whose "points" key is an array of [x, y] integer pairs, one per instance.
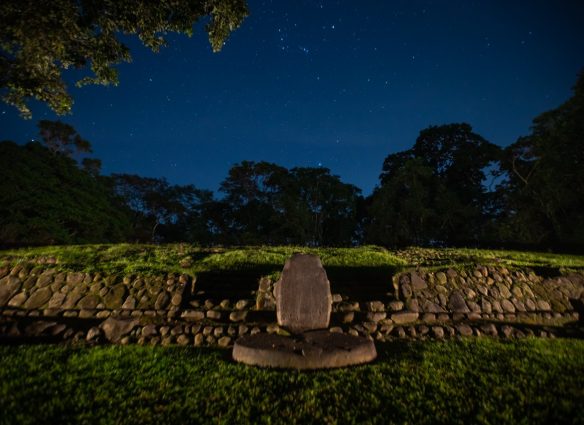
{"points": [[303, 294]]}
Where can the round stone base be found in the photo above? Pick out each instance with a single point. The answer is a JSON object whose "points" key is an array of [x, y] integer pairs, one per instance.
{"points": [[309, 350]]}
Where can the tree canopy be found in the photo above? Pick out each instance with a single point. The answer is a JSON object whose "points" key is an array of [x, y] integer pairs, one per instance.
{"points": [[452, 187], [41, 38], [434, 192]]}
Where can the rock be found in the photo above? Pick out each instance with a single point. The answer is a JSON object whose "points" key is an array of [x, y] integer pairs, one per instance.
{"points": [[404, 317], [38, 298], [176, 300], [39, 327], [457, 304], [85, 314], [242, 330], [474, 307], [176, 330], [396, 305], [497, 306], [348, 306], [376, 316], [241, 304], [417, 282], [336, 329], [370, 327], [9, 286], [214, 315], [17, 300], [507, 306], [464, 329], [162, 301], [303, 296], [193, 315], [489, 329], [441, 277], [183, 339], [375, 306], [412, 305], [430, 307], [93, 334], [504, 291], [438, 332], [149, 331], [116, 329], [543, 305], [507, 331], [57, 300], [224, 341], [441, 289], [486, 306], [88, 302], [75, 278], [199, 339], [429, 317], [238, 315], [348, 317], [130, 303], [519, 305], [406, 290], [337, 298]]}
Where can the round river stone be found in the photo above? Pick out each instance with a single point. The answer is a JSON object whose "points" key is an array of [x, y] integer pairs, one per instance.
{"points": [[309, 350]]}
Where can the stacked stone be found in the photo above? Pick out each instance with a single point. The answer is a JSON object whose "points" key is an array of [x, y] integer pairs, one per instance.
{"points": [[488, 293], [74, 294], [494, 301]]}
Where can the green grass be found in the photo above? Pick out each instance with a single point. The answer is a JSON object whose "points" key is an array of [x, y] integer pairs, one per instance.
{"points": [[182, 258], [469, 381]]}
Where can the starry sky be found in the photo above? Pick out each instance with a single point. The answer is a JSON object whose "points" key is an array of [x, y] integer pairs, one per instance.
{"points": [[338, 84]]}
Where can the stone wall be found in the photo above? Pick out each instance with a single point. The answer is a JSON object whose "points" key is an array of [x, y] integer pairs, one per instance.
{"points": [[39, 302]]}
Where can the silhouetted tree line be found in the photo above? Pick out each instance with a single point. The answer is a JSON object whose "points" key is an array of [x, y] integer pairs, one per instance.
{"points": [[452, 187]]}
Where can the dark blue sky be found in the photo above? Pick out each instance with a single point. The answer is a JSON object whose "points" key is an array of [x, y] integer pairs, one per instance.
{"points": [[334, 83]]}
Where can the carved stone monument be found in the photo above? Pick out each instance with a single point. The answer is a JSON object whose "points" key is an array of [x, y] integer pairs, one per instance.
{"points": [[303, 294], [303, 307]]}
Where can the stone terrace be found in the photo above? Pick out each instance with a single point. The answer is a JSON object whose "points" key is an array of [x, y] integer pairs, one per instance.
{"points": [[39, 303]]}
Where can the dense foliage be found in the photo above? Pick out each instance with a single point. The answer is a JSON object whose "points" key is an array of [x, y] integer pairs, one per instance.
{"points": [[534, 381], [40, 39], [47, 199], [452, 187]]}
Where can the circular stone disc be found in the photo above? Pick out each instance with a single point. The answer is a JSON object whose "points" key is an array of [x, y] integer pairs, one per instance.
{"points": [[310, 350]]}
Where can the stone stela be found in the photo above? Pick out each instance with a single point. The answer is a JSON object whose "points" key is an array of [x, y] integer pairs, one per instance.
{"points": [[303, 307]]}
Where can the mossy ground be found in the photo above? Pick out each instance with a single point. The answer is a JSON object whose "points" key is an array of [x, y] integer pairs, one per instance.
{"points": [[479, 380], [181, 258]]}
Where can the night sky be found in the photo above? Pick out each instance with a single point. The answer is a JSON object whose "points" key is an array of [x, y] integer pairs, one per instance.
{"points": [[338, 84]]}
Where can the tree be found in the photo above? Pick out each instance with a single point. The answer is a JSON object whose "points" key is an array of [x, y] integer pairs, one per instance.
{"points": [[62, 138], [543, 190], [46, 199], [325, 208], [253, 206], [163, 212], [402, 210], [458, 162], [40, 39]]}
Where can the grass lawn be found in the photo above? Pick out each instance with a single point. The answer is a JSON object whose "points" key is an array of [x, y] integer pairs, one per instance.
{"points": [[468, 381]]}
